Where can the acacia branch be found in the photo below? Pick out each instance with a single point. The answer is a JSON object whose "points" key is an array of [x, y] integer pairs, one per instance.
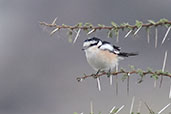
{"points": [[103, 27], [86, 26], [90, 28], [154, 74]]}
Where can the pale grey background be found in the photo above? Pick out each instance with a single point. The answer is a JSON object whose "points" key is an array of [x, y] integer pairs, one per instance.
{"points": [[38, 72]]}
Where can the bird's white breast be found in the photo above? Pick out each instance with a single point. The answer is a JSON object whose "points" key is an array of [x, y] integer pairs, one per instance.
{"points": [[100, 59]]}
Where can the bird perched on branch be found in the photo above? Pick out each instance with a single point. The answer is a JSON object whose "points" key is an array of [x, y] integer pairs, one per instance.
{"points": [[102, 55]]}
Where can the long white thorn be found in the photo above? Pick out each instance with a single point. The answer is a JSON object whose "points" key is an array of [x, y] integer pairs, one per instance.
{"points": [[156, 37], [150, 110], [163, 67], [148, 36], [75, 31], [155, 83], [111, 78], [112, 110], [170, 93], [77, 35], [132, 105], [56, 29], [93, 30], [98, 83], [54, 21], [91, 107], [165, 36], [117, 68], [117, 37], [139, 106], [164, 62], [120, 109], [128, 83], [128, 33], [164, 108], [137, 30]]}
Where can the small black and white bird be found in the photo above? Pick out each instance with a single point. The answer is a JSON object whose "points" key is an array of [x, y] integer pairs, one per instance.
{"points": [[102, 55]]}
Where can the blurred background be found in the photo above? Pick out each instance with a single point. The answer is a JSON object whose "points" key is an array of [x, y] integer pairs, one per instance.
{"points": [[38, 72]]}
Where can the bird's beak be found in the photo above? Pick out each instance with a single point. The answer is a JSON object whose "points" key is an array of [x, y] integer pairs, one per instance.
{"points": [[83, 49]]}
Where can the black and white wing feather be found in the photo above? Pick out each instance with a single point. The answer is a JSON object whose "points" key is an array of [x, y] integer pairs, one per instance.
{"points": [[107, 46], [114, 49]]}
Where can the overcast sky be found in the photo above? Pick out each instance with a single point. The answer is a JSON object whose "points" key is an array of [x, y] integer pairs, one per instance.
{"points": [[38, 72]]}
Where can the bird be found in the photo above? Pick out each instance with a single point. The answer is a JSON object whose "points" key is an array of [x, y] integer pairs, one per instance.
{"points": [[102, 55]]}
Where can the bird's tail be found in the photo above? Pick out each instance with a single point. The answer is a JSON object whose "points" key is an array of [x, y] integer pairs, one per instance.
{"points": [[123, 54]]}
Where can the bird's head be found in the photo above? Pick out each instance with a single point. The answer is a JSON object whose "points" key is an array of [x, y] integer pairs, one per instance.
{"points": [[91, 42]]}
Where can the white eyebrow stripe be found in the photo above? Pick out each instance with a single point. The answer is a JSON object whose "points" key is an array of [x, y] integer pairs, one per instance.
{"points": [[88, 43]]}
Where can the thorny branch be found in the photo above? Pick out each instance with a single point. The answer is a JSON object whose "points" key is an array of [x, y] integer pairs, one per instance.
{"points": [[113, 28], [84, 27], [154, 74], [89, 28]]}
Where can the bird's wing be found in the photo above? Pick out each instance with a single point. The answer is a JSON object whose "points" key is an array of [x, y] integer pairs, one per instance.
{"points": [[107, 46], [116, 49]]}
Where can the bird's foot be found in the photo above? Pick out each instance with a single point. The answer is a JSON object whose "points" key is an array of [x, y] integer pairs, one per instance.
{"points": [[96, 75], [108, 73]]}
